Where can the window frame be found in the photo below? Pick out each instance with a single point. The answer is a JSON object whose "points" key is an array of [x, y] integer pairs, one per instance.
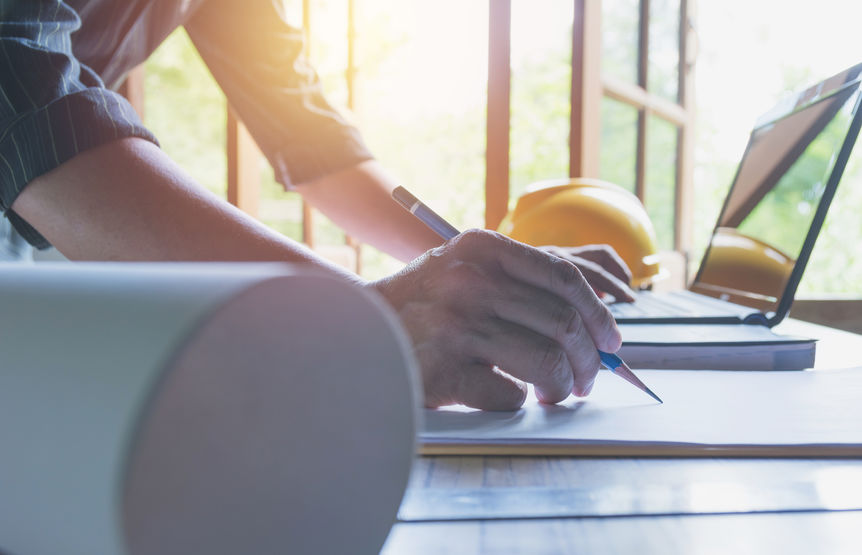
{"points": [[588, 87]]}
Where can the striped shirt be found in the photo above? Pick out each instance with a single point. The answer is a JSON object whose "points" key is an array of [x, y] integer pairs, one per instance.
{"points": [[60, 58]]}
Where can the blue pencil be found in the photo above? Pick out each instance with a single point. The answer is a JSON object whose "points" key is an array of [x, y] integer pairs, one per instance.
{"points": [[447, 231]]}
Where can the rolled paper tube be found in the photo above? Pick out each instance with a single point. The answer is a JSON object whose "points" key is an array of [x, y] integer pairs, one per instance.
{"points": [[199, 408]]}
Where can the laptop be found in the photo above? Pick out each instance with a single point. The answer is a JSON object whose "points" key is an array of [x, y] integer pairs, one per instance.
{"points": [[772, 214]]}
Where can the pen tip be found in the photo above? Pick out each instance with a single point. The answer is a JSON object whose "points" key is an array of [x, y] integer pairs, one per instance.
{"points": [[653, 395], [626, 373]]}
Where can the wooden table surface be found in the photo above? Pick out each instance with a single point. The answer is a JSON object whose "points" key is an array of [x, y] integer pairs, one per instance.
{"points": [[828, 532]]}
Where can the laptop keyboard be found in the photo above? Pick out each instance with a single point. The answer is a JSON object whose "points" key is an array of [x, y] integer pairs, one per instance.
{"points": [[671, 304]]}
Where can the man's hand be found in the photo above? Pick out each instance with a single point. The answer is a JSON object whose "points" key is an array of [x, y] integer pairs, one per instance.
{"points": [[483, 302], [602, 267]]}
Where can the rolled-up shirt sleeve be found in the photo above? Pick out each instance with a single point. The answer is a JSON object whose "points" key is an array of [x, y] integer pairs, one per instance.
{"points": [[52, 107], [256, 57]]}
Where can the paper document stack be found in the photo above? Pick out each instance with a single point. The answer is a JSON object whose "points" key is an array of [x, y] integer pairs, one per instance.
{"points": [[714, 347]]}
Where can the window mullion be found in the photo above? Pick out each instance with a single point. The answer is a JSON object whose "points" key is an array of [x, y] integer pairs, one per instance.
{"points": [[497, 124], [643, 64]]}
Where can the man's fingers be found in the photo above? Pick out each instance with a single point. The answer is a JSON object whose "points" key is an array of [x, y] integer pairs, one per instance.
{"points": [[552, 317], [532, 357], [583, 358], [603, 281], [543, 312], [562, 278], [545, 271], [555, 351], [484, 387], [606, 257], [483, 301]]}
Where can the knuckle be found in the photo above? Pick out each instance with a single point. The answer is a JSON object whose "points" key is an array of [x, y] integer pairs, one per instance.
{"points": [[567, 321], [550, 358], [472, 239], [576, 327], [585, 355], [601, 318], [564, 273]]}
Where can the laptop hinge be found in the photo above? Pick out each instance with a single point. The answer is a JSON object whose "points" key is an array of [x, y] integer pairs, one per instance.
{"points": [[756, 318]]}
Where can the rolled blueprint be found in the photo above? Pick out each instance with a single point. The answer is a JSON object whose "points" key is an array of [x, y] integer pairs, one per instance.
{"points": [[199, 408]]}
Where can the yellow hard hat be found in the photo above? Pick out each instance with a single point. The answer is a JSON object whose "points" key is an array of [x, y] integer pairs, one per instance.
{"points": [[738, 262], [576, 212]]}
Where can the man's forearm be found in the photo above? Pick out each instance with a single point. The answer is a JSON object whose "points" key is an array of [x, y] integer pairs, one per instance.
{"points": [[480, 303], [127, 200], [358, 199]]}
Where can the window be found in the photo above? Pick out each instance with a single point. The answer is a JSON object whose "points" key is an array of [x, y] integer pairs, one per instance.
{"points": [[467, 103], [647, 110]]}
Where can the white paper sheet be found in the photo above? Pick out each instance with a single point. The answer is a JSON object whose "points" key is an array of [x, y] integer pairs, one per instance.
{"points": [[738, 413]]}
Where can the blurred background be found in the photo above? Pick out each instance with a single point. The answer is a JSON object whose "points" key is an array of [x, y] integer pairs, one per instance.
{"points": [[419, 94]]}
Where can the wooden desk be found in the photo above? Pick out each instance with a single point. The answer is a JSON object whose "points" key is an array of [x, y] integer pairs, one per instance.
{"points": [[779, 532]]}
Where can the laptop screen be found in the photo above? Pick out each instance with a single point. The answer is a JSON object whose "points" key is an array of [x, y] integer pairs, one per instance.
{"points": [[776, 205]]}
